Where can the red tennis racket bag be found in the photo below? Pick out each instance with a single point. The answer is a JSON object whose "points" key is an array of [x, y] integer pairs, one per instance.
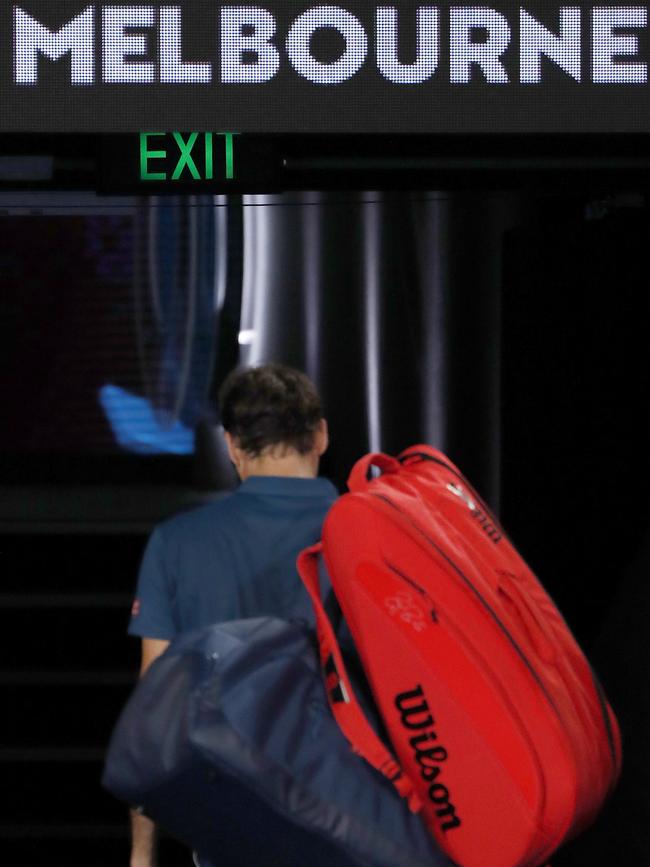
{"points": [[502, 736]]}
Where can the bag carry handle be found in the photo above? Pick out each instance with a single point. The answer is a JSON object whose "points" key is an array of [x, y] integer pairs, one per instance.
{"points": [[358, 478], [345, 707]]}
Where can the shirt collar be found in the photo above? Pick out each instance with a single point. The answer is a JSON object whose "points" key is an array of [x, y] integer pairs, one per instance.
{"points": [[287, 486]]}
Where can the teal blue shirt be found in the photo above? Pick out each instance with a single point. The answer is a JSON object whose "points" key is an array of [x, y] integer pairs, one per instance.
{"points": [[231, 559]]}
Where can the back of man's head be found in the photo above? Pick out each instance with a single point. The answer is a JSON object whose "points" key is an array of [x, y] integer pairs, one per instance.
{"points": [[270, 407]]}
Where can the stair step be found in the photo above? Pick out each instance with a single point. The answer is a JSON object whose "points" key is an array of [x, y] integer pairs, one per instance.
{"points": [[51, 563], [64, 832], [46, 755], [65, 600], [51, 715], [58, 793], [54, 638], [66, 678], [128, 506], [80, 846]]}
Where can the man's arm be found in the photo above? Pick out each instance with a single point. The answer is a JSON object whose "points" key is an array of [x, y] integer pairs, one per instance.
{"points": [[143, 841], [143, 830], [152, 648]]}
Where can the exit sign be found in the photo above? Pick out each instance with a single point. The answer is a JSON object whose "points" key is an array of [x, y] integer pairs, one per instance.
{"points": [[155, 162], [178, 157]]}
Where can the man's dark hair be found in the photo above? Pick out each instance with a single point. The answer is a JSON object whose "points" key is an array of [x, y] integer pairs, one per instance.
{"points": [[270, 405]]}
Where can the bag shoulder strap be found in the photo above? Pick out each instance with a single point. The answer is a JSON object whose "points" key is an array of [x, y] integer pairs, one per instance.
{"points": [[345, 707]]}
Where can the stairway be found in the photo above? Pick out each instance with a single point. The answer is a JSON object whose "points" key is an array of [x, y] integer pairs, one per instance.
{"points": [[66, 669]]}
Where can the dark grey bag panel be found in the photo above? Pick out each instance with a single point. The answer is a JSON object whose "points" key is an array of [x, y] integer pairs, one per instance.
{"points": [[228, 743]]}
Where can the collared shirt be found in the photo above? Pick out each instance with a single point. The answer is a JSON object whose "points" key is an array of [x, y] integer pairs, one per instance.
{"points": [[231, 559]]}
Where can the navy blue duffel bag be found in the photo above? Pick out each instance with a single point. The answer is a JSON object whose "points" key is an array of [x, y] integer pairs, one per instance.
{"points": [[229, 744]]}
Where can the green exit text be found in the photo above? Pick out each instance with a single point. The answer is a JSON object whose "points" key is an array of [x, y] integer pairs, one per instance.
{"points": [[199, 156]]}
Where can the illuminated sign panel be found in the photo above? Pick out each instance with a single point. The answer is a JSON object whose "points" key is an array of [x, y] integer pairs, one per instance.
{"points": [[289, 67], [195, 162], [160, 162]]}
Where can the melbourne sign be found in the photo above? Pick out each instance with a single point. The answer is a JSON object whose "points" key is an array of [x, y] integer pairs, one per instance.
{"points": [[291, 67]]}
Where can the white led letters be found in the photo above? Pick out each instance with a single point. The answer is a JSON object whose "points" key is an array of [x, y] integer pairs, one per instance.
{"points": [[605, 69], [76, 38], [235, 44], [299, 40], [426, 62], [173, 69], [120, 44], [464, 51], [143, 45], [536, 41]]}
